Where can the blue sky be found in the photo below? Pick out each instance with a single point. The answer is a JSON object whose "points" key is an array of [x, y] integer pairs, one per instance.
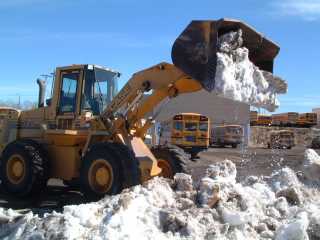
{"points": [[38, 35]]}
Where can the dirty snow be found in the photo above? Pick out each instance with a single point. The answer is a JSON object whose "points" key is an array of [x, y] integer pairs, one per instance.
{"points": [[281, 206], [239, 79], [311, 165]]}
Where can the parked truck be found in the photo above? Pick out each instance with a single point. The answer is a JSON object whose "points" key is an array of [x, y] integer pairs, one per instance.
{"points": [[227, 135], [281, 139]]}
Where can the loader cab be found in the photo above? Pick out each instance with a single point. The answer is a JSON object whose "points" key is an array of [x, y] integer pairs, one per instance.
{"points": [[80, 89], [99, 88]]}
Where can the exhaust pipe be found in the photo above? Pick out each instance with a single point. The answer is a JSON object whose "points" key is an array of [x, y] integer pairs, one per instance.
{"points": [[42, 90]]}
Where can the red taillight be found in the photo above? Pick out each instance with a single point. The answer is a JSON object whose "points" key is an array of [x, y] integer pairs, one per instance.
{"points": [[176, 134]]}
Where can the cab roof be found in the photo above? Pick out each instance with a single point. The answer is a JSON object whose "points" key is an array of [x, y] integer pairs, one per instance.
{"points": [[86, 66]]}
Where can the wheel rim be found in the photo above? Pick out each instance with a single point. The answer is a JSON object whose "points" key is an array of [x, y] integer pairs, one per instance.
{"points": [[100, 176], [166, 169], [16, 169]]}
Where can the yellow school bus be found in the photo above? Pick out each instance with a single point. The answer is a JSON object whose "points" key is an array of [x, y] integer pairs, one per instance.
{"points": [[307, 119], [189, 131]]}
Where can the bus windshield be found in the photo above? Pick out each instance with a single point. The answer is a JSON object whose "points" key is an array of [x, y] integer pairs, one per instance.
{"points": [[190, 126]]}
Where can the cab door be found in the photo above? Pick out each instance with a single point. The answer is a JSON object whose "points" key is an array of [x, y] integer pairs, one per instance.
{"points": [[69, 99]]}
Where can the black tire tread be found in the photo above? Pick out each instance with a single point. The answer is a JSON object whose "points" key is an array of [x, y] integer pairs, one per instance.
{"points": [[178, 158], [130, 165], [126, 167], [98, 150], [39, 166]]}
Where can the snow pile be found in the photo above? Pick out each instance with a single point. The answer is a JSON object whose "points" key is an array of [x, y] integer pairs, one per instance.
{"points": [[273, 207], [311, 165], [239, 79]]}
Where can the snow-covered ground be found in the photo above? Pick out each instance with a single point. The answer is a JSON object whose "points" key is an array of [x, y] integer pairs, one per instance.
{"points": [[282, 206], [239, 79]]}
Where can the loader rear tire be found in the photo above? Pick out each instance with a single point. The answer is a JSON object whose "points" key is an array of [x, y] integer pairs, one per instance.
{"points": [[172, 160], [107, 169], [24, 168]]}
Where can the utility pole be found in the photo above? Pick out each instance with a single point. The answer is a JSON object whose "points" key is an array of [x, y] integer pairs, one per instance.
{"points": [[19, 101]]}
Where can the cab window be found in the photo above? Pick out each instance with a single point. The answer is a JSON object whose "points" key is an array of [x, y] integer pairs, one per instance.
{"points": [[99, 90], [203, 126], [177, 126], [68, 94]]}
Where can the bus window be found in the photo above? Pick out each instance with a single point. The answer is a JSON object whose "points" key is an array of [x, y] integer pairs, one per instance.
{"points": [[178, 126], [203, 126], [190, 126]]}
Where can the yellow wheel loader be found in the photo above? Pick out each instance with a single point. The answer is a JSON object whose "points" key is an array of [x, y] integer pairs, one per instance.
{"points": [[90, 135]]}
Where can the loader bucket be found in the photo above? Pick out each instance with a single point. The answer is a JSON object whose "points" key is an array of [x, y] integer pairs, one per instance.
{"points": [[194, 51]]}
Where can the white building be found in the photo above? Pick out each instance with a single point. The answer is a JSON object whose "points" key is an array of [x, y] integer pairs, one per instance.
{"points": [[219, 110]]}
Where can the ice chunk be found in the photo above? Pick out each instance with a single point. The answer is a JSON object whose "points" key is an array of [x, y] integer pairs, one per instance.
{"points": [[234, 218], [311, 165], [224, 171], [314, 227], [237, 78], [281, 205], [284, 178], [294, 230], [183, 182]]}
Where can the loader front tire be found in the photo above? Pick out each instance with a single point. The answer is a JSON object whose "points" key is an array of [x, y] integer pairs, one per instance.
{"points": [[23, 168], [172, 160], [130, 169], [108, 168]]}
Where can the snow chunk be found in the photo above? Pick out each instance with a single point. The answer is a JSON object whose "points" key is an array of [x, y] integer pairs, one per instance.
{"points": [[314, 226], [311, 165], [224, 171], [294, 230], [183, 182], [234, 218], [237, 78], [284, 178]]}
